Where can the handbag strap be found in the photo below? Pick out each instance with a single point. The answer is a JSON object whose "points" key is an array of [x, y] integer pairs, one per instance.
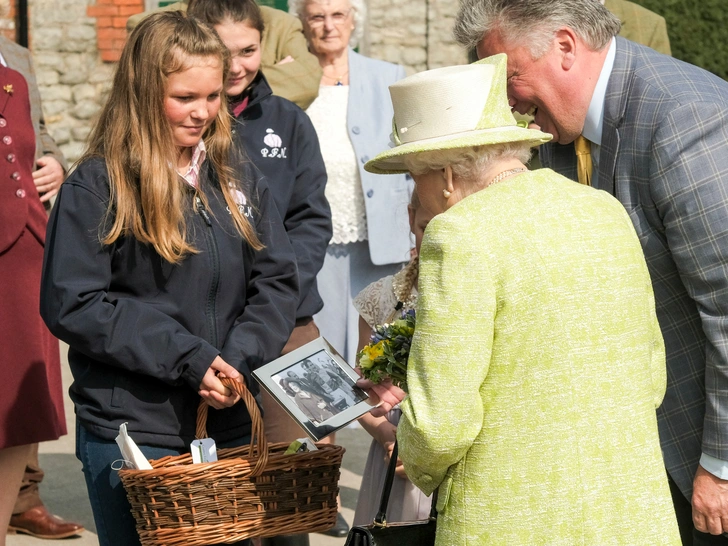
{"points": [[380, 519]]}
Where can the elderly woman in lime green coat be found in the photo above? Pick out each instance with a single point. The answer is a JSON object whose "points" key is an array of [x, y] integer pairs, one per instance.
{"points": [[537, 362]]}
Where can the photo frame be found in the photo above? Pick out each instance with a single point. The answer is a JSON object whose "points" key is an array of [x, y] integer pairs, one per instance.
{"points": [[316, 387]]}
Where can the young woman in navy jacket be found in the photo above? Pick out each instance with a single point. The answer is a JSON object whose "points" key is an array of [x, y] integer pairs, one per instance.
{"points": [[162, 268]]}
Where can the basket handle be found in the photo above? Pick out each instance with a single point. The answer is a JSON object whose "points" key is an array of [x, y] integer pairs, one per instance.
{"points": [[258, 444]]}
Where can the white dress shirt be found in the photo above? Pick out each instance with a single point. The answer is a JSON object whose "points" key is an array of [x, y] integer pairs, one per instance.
{"points": [[594, 122]]}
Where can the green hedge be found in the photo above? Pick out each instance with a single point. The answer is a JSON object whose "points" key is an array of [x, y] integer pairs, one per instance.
{"points": [[698, 31], [278, 4]]}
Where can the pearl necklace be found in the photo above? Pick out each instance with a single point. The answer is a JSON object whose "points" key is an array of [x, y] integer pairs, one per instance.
{"points": [[507, 173]]}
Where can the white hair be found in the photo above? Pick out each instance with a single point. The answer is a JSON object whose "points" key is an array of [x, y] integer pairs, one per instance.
{"points": [[534, 22], [359, 11], [468, 164]]}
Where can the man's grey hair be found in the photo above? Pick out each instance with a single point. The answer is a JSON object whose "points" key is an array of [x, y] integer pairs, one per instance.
{"points": [[468, 164], [534, 22], [359, 11]]}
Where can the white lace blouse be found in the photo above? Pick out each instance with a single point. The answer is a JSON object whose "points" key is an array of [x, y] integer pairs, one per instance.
{"points": [[377, 303], [343, 189]]}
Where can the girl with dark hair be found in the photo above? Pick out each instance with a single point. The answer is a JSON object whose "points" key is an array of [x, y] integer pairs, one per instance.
{"points": [[283, 148]]}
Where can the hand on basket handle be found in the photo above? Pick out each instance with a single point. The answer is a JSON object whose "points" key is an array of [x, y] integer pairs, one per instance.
{"points": [[213, 391]]}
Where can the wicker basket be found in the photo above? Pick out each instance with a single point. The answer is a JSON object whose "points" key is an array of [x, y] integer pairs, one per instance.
{"points": [[251, 491]]}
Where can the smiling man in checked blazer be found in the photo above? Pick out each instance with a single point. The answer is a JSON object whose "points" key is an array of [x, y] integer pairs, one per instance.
{"points": [[657, 130]]}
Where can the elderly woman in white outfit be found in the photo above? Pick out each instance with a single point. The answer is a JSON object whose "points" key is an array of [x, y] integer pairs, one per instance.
{"points": [[353, 118]]}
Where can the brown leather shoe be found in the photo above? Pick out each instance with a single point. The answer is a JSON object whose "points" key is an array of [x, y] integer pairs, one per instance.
{"points": [[39, 523]]}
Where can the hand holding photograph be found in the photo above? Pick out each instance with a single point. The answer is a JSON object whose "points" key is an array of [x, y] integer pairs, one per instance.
{"points": [[316, 386]]}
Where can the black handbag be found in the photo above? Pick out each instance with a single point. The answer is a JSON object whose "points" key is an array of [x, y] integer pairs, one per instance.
{"points": [[381, 533]]}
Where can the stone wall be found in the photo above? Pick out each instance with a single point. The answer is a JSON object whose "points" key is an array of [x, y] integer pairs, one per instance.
{"points": [[413, 33], [73, 79], [71, 76], [442, 49], [7, 19]]}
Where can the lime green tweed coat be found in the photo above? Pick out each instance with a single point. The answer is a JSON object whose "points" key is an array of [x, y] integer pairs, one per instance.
{"points": [[535, 372]]}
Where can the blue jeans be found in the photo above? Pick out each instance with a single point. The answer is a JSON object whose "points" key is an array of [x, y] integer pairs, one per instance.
{"points": [[115, 524]]}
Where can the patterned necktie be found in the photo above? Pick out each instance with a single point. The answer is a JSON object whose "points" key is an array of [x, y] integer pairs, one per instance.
{"points": [[583, 160]]}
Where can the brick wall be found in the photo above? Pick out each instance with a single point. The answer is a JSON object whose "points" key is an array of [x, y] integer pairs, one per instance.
{"points": [[111, 16]]}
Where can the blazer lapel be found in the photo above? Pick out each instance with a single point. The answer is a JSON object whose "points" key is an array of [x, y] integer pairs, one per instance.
{"points": [[356, 88], [4, 91], [15, 56], [615, 104], [608, 158]]}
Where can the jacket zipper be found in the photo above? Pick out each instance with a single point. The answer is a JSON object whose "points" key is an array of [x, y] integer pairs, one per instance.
{"points": [[210, 308]]}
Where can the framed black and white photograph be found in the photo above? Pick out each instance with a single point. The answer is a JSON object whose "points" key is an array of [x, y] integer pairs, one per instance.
{"points": [[316, 386]]}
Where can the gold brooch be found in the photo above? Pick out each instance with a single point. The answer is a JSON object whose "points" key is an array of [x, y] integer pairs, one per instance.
{"points": [[8, 88]]}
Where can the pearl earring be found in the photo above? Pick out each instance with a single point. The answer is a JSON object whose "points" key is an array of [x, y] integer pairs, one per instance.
{"points": [[446, 194]]}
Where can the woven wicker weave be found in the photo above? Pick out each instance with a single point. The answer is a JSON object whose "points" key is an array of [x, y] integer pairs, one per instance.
{"points": [[254, 490]]}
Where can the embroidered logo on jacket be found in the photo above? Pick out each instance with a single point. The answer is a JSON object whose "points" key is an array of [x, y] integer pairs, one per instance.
{"points": [[241, 202], [274, 145]]}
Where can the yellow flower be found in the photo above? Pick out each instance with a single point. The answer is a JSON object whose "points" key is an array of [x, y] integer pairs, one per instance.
{"points": [[369, 354], [376, 351]]}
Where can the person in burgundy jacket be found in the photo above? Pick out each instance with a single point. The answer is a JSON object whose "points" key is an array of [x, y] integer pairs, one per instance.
{"points": [[31, 397]]}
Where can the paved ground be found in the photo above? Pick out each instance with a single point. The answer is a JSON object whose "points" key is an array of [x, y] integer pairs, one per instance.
{"points": [[64, 489]]}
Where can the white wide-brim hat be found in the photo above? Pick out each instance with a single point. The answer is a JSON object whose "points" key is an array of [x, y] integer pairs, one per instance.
{"points": [[452, 107]]}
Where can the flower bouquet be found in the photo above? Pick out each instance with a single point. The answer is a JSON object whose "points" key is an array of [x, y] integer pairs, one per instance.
{"points": [[386, 355]]}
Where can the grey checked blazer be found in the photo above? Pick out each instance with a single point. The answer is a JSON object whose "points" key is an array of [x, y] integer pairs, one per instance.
{"points": [[664, 155], [18, 58]]}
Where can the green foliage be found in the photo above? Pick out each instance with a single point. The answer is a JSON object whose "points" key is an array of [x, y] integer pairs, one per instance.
{"points": [[278, 4], [698, 31], [386, 355]]}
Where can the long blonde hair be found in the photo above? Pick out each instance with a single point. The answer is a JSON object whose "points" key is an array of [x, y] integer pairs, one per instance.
{"points": [[134, 137]]}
